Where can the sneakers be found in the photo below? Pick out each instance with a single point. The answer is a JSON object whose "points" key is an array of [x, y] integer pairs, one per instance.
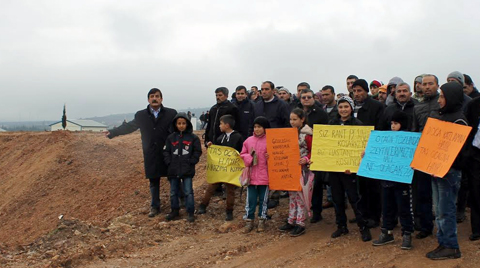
{"points": [[173, 215], [286, 227], [153, 212], [190, 217], [423, 235], [202, 209], [341, 230], [297, 231], [442, 253], [261, 226], [407, 241], [316, 218], [386, 237], [248, 226], [229, 216], [366, 235]]}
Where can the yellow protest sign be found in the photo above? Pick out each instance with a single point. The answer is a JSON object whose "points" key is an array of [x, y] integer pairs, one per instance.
{"points": [[338, 148], [224, 164], [438, 147]]}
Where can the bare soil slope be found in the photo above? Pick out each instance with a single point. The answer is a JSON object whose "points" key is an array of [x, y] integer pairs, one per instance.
{"points": [[81, 200]]}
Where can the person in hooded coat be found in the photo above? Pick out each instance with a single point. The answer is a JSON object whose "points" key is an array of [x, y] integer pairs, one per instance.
{"points": [[445, 190], [182, 152]]}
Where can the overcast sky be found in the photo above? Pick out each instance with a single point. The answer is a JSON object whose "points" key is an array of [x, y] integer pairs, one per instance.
{"points": [[101, 57]]}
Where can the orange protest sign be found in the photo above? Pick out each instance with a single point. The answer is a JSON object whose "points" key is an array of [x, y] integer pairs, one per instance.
{"points": [[283, 155], [438, 147]]}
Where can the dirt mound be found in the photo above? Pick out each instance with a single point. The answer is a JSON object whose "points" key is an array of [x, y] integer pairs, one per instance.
{"points": [[81, 200]]}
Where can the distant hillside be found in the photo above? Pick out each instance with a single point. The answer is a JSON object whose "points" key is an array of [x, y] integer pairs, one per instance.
{"points": [[117, 119], [111, 121]]}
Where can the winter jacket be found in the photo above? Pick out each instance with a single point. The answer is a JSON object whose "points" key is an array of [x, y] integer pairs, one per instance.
{"points": [[246, 116], [453, 112], [316, 115], [370, 112], [182, 150], [305, 141], [276, 111], [474, 93], [258, 145], [352, 121], [422, 111], [154, 132], [386, 120], [473, 118], [235, 140], [333, 113], [212, 132]]}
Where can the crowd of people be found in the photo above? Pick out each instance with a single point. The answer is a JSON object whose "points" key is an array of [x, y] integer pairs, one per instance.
{"points": [[172, 150]]}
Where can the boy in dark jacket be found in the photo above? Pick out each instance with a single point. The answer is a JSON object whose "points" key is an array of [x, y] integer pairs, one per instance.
{"points": [[229, 138], [182, 152], [397, 198]]}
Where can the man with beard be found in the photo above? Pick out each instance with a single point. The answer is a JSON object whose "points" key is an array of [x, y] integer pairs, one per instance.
{"points": [[368, 111], [421, 183], [246, 112], [223, 107]]}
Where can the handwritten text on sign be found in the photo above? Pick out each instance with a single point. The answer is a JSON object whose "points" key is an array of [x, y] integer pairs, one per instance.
{"points": [[284, 153], [224, 164], [439, 146], [388, 156], [338, 148]]}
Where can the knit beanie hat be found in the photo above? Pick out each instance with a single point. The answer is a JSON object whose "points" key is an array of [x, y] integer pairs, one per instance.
{"points": [[348, 100], [376, 83], [262, 121], [458, 76], [284, 89], [362, 83], [383, 89], [401, 118]]}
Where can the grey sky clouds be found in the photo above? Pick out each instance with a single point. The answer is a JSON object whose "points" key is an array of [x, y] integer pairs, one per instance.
{"points": [[102, 57]]}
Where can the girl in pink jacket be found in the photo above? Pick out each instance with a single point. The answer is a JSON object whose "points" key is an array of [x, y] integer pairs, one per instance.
{"points": [[254, 154]]}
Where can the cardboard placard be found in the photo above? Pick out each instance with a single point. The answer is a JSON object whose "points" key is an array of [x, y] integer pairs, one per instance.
{"points": [[284, 153]]}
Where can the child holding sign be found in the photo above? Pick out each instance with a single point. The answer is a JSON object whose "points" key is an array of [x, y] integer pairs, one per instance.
{"points": [[233, 139], [397, 199], [297, 205], [347, 181], [254, 155]]}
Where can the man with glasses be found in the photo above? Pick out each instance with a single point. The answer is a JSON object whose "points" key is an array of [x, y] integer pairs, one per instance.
{"points": [[315, 115]]}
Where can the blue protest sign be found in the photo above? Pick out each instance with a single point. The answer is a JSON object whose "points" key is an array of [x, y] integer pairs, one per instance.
{"points": [[388, 156]]}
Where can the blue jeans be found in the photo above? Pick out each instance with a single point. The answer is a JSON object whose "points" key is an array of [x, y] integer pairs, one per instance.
{"points": [[175, 193], [444, 192], [256, 193], [155, 192]]}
